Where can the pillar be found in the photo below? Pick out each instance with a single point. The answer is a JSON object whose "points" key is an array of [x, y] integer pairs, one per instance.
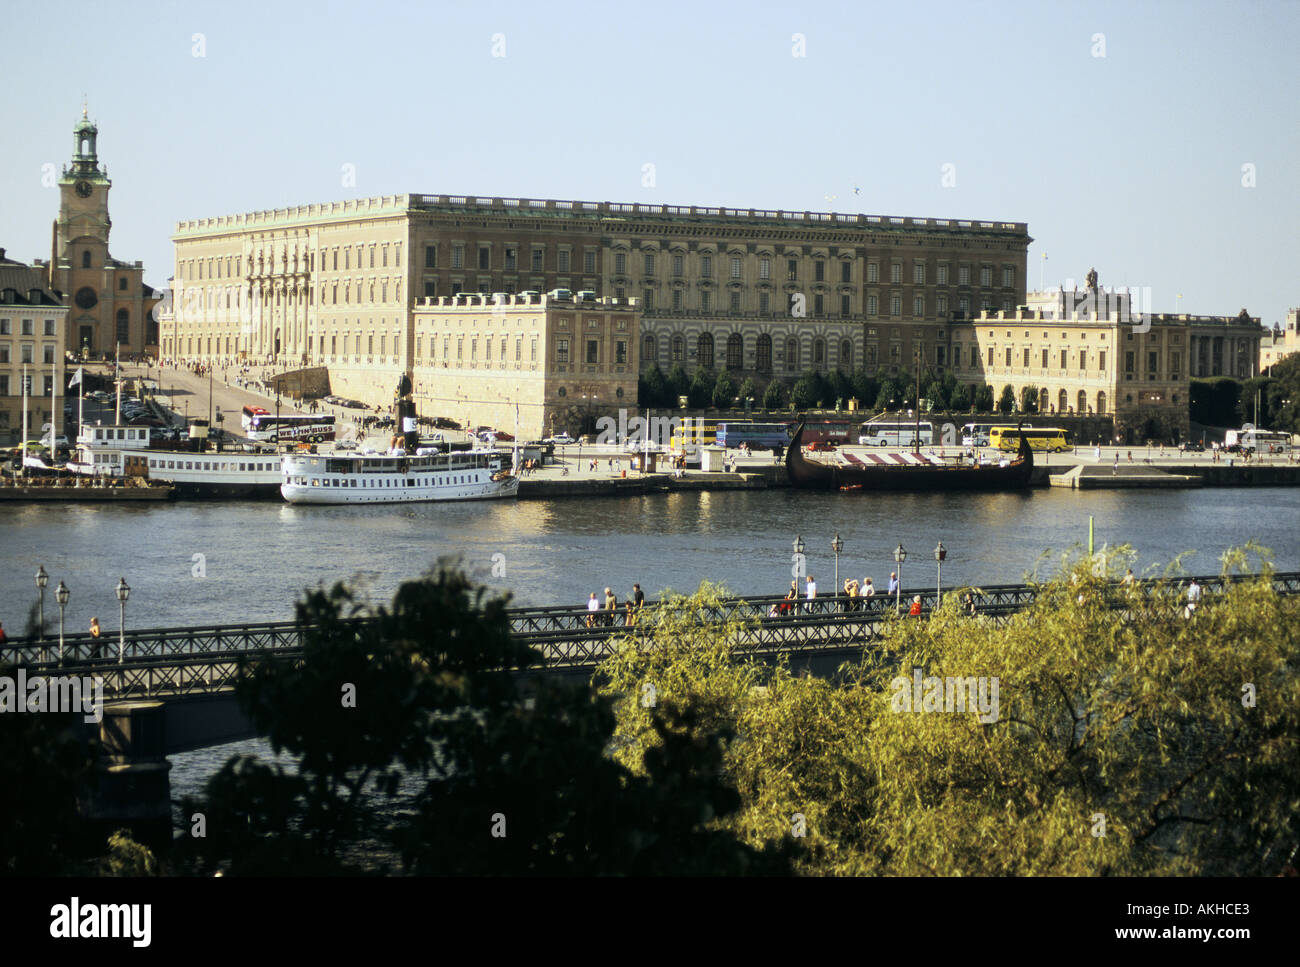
{"points": [[133, 787]]}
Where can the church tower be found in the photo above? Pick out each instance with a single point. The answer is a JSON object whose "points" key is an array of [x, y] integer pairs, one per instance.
{"points": [[108, 301]]}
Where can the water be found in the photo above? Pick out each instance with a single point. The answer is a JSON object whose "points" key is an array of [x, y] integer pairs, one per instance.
{"points": [[257, 557], [213, 562]]}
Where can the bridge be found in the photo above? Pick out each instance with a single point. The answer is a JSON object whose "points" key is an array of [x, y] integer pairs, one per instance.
{"points": [[171, 690]]}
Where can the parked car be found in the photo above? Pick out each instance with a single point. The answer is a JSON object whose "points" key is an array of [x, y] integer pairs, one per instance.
{"points": [[445, 423], [563, 439]]}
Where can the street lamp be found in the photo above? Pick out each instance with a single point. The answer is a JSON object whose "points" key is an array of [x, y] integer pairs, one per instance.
{"points": [[123, 592], [837, 545], [900, 556], [799, 569], [42, 579], [940, 555], [61, 595]]}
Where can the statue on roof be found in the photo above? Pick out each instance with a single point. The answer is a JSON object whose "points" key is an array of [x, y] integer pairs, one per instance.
{"points": [[1091, 282]]}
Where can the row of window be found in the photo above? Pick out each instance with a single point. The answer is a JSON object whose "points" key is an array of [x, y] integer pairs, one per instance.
{"points": [[26, 353], [797, 304], [10, 386], [27, 327], [371, 255]]}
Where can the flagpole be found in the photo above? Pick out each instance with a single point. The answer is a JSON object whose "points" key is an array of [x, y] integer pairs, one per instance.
{"points": [[54, 405], [22, 460], [117, 385]]}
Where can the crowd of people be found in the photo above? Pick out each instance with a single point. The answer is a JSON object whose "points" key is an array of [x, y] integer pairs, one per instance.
{"points": [[605, 614]]}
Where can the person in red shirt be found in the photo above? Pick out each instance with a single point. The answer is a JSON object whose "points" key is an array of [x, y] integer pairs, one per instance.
{"points": [[915, 610]]}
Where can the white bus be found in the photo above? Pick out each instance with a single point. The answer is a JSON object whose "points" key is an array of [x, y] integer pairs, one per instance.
{"points": [[1258, 441], [881, 433], [976, 434], [291, 426]]}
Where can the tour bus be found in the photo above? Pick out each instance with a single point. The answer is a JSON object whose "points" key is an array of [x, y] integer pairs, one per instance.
{"points": [[1258, 441], [900, 433], [758, 436], [291, 426], [687, 439], [1040, 438], [975, 434], [250, 413]]}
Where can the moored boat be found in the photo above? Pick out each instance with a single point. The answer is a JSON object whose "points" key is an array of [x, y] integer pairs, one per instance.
{"points": [[395, 477], [860, 477]]}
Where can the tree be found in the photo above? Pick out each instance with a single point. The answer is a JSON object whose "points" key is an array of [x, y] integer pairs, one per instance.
{"points": [[808, 391], [654, 389], [700, 393], [1029, 399], [511, 784], [839, 387], [865, 387], [748, 390], [724, 390], [774, 397], [679, 384], [1115, 736], [984, 399], [960, 400], [937, 394], [1007, 402]]}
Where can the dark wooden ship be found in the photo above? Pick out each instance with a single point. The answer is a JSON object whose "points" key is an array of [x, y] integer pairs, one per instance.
{"points": [[813, 475]]}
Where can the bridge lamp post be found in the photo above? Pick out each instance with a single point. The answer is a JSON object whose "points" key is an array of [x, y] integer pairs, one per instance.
{"points": [[123, 592], [940, 555], [900, 556], [798, 547], [61, 595], [42, 579], [837, 545]]}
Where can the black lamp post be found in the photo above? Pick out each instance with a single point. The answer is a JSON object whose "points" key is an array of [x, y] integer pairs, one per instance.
{"points": [[61, 595], [837, 545], [900, 556], [123, 592], [42, 579], [940, 555]]}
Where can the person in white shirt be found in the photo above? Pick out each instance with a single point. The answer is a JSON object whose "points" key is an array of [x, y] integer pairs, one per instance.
{"points": [[811, 590], [1193, 597], [868, 589], [592, 607]]}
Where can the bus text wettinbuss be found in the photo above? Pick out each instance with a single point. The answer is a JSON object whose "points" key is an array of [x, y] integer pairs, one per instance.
{"points": [[291, 426]]}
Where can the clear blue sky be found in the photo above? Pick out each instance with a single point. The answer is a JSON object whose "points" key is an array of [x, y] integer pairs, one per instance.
{"points": [[1131, 162]]}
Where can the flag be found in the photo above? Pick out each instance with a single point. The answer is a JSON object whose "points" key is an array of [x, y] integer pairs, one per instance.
{"points": [[76, 379]]}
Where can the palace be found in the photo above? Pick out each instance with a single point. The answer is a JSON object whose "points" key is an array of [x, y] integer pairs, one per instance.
{"points": [[32, 323], [763, 292]]}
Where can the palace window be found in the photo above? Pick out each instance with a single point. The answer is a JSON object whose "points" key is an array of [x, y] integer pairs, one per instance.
{"points": [[706, 299], [846, 304], [677, 346], [562, 260], [819, 270], [941, 275], [704, 350], [918, 273], [593, 351], [1008, 277], [538, 255], [763, 362], [512, 259], [706, 266], [735, 351], [872, 307], [764, 268], [791, 355], [895, 305], [873, 272], [677, 300], [735, 268], [457, 257], [918, 305], [734, 301], [986, 277], [620, 263], [649, 264], [896, 272], [589, 261], [791, 270], [963, 275], [846, 271], [678, 264]]}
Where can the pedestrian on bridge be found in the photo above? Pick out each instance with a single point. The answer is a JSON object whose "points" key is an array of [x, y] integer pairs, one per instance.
{"points": [[611, 607], [893, 584], [592, 607], [915, 610]]}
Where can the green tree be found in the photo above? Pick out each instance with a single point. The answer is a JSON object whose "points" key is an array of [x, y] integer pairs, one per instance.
{"points": [[426, 690], [960, 400], [865, 387], [807, 392], [891, 395], [984, 399], [1029, 399], [1007, 402], [774, 397], [1111, 705], [839, 387], [700, 393], [679, 384], [724, 390], [749, 390], [937, 394], [654, 389]]}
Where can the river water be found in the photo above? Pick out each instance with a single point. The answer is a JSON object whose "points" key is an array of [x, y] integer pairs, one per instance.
{"points": [[214, 562]]}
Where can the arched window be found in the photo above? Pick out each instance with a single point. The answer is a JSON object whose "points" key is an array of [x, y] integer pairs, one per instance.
{"points": [[677, 345], [1082, 407], [735, 351], [792, 355], [85, 259], [649, 352], [845, 361], [704, 351], [764, 360], [123, 326], [1101, 404], [1043, 400], [819, 353], [1062, 402]]}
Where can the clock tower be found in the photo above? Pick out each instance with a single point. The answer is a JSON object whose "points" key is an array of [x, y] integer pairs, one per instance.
{"points": [[109, 304]]}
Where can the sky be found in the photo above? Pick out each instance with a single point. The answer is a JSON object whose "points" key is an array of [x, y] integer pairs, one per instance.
{"points": [[1156, 141]]}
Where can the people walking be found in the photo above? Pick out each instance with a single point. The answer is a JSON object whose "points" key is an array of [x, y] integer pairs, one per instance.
{"points": [[893, 584], [592, 607], [810, 591]]}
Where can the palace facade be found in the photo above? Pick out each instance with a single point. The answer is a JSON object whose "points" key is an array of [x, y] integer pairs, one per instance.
{"points": [[33, 320], [762, 292]]}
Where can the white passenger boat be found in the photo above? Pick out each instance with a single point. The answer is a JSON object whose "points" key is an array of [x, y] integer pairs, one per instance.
{"points": [[395, 477]]}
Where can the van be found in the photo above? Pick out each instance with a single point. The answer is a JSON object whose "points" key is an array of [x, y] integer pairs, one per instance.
{"points": [[587, 295], [561, 295]]}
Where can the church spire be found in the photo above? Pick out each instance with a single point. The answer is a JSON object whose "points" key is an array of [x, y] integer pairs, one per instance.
{"points": [[85, 160]]}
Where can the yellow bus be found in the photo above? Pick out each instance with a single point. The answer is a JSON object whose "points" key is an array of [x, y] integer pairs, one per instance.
{"points": [[687, 440], [1040, 438]]}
